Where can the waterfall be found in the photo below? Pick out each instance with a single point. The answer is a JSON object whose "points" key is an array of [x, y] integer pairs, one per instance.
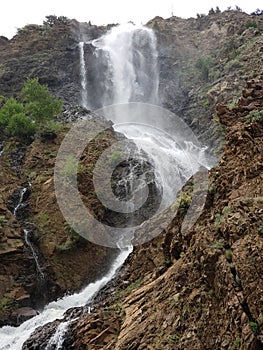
{"points": [[20, 201], [84, 95], [19, 205], [56, 341], [129, 53], [128, 60], [34, 254], [12, 338], [2, 147], [131, 101]]}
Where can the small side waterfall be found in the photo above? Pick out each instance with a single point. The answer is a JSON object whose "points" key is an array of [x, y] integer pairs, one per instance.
{"points": [[2, 147], [18, 207], [34, 254], [84, 92], [20, 201]]}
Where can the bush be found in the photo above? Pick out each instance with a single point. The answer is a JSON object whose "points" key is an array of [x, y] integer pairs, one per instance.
{"points": [[251, 24], [40, 105], [211, 11], [53, 20], [254, 116], [115, 158], [232, 65], [37, 111], [21, 126], [204, 64], [10, 108], [258, 12]]}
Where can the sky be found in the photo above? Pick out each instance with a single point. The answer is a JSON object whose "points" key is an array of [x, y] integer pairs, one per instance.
{"points": [[17, 13]]}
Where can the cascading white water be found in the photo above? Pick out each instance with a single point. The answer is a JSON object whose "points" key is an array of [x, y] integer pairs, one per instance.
{"points": [[12, 338], [174, 161], [84, 95], [26, 232], [132, 70], [56, 341], [20, 201], [34, 254], [1, 149], [132, 76]]}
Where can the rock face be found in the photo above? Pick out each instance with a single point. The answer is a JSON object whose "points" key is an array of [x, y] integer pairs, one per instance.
{"points": [[205, 61], [201, 288], [202, 62], [67, 261], [50, 53], [197, 289]]}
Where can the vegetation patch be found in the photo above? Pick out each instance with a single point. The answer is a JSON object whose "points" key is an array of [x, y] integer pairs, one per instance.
{"points": [[34, 111]]}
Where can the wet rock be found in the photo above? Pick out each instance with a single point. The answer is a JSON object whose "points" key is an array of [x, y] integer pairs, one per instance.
{"points": [[25, 313]]}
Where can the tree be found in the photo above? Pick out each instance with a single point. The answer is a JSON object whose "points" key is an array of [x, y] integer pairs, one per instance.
{"points": [[36, 111], [21, 126], [10, 108], [258, 12], [53, 20], [13, 120], [211, 11], [40, 105]]}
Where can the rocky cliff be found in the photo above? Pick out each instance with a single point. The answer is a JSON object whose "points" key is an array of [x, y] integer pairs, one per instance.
{"points": [[68, 262], [200, 289], [202, 61]]}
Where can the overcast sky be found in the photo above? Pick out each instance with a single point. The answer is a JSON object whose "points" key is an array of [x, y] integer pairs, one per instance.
{"points": [[17, 13]]}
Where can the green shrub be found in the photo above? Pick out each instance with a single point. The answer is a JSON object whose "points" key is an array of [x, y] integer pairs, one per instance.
{"points": [[254, 327], [21, 126], [3, 220], [5, 303], [204, 64], [254, 116], [10, 108], [185, 200], [232, 65], [251, 24], [217, 245], [36, 112], [53, 20], [40, 105], [235, 344]]}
